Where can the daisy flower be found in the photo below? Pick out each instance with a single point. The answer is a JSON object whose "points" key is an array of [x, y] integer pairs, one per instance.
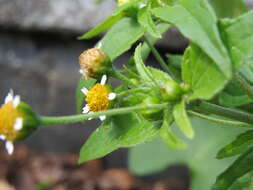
{"points": [[17, 121], [11, 121], [98, 97]]}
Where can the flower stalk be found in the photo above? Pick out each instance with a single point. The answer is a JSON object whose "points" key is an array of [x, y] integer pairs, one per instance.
{"points": [[83, 117]]}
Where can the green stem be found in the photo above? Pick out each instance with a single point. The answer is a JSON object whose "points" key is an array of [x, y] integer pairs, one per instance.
{"points": [[244, 85], [221, 121], [133, 90], [122, 77], [157, 56], [226, 112], [83, 117]]}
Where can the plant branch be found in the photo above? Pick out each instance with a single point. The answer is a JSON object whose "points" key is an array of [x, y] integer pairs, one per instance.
{"points": [[244, 85], [158, 56], [226, 112], [122, 77], [221, 121], [82, 117]]}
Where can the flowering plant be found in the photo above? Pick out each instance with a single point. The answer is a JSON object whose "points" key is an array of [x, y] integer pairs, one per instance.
{"points": [[212, 80]]}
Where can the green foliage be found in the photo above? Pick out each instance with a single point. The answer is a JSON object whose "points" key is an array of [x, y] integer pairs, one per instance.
{"points": [[238, 35], [228, 8], [238, 146], [145, 19], [118, 131], [196, 20], [182, 119], [243, 183], [106, 24], [239, 168], [199, 155], [201, 74], [229, 100], [167, 135], [121, 37]]}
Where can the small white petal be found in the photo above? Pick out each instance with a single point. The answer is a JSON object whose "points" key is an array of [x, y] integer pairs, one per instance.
{"points": [[18, 124], [112, 96], [102, 118], [2, 137], [9, 97], [85, 90], [99, 45], [9, 147], [103, 80], [81, 71], [16, 101], [86, 109]]}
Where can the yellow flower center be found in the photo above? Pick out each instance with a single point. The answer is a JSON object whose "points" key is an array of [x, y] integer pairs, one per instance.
{"points": [[97, 98], [8, 116]]}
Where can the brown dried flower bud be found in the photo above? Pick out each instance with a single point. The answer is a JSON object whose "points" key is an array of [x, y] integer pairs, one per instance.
{"points": [[93, 62]]}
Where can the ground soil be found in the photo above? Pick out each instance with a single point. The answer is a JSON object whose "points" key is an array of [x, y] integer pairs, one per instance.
{"points": [[26, 170]]}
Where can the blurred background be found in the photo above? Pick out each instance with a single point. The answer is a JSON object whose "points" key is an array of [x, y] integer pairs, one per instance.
{"points": [[39, 60]]}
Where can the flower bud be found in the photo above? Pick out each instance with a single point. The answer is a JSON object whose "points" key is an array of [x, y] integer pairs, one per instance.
{"points": [[171, 90], [17, 121], [94, 63]]}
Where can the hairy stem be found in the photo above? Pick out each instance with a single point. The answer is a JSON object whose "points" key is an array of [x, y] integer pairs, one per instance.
{"points": [[244, 85], [157, 56], [82, 117], [226, 112], [221, 121], [122, 77]]}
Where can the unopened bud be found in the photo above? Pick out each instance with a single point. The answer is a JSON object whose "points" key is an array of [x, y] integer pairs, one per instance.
{"points": [[171, 91], [94, 63]]}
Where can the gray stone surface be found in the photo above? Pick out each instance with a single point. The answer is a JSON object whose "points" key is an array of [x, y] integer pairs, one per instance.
{"points": [[61, 15]]}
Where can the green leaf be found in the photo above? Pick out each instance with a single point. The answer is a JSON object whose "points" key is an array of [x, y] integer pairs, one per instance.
{"points": [[238, 35], [141, 68], [196, 20], [240, 167], [145, 19], [116, 132], [243, 183], [145, 48], [199, 156], [228, 100], [182, 119], [247, 71], [228, 8], [121, 37], [167, 135], [175, 60], [201, 74], [79, 95], [106, 24], [117, 15], [239, 145]]}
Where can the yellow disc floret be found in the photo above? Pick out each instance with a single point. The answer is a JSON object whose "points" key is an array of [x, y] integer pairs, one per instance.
{"points": [[97, 98], [9, 114]]}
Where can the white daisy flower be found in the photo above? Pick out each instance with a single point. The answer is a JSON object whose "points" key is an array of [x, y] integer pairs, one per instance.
{"points": [[98, 97], [11, 120]]}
